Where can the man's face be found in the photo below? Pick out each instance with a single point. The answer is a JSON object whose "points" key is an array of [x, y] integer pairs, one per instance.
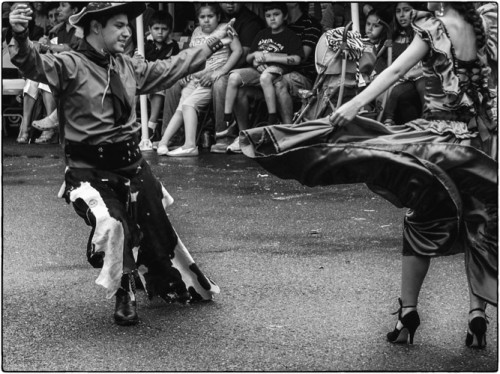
{"points": [[115, 34], [231, 8]]}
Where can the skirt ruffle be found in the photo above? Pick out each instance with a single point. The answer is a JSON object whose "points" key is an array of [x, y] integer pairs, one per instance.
{"points": [[449, 186]]}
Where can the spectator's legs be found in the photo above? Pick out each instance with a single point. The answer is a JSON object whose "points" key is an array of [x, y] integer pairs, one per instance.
{"points": [[190, 117], [266, 81], [173, 126], [242, 108], [218, 100], [242, 112], [223, 137], [284, 100], [172, 97], [28, 105], [49, 122], [49, 102], [233, 84], [156, 105], [287, 88]]}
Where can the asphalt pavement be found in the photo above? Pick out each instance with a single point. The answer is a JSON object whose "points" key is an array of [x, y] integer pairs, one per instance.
{"points": [[309, 278]]}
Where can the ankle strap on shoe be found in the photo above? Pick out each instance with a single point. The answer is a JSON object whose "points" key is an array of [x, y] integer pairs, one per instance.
{"points": [[401, 307], [478, 309]]}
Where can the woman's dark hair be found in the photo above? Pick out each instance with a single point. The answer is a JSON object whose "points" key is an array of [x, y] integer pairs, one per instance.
{"points": [[397, 29], [470, 14]]}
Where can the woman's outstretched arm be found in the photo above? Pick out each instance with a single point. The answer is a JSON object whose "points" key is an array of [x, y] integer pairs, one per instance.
{"points": [[415, 52]]}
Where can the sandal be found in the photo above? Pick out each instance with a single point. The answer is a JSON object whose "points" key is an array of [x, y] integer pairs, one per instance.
{"points": [[45, 124], [22, 139], [47, 137]]}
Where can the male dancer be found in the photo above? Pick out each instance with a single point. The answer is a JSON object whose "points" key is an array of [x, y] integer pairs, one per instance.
{"points": [[109, 183]]}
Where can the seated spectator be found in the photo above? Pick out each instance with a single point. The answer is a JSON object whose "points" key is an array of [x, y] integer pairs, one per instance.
{"points": [[195, 93], [376, 35], [407, 97], [62, 37], [287, 88], [247, 24], [161, 46], [274, 51], [35, 33], [40, 15]]}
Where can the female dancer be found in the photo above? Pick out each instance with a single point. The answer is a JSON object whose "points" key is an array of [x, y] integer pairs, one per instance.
{"points": [[438, 166]]}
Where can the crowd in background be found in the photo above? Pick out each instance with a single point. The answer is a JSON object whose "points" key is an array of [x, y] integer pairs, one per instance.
{"points": [[246, 84]]}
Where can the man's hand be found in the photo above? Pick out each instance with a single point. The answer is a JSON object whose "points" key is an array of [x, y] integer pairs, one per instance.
{"points": [[228, 33], [19, 18], [138, 56], [259, 57]]}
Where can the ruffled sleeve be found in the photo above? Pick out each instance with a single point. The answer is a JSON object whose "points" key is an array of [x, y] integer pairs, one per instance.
{"points": [[440, 56], [489, 14]]}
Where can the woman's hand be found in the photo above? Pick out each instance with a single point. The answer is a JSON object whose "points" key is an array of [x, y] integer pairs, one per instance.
{"points": [[344, 114], [19, 18]]}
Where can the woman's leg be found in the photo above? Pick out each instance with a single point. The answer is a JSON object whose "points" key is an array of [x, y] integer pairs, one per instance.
{"points": [[414, 270]]}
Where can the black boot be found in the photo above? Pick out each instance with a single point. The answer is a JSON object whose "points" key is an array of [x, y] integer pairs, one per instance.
{"points": [[125, 307]]}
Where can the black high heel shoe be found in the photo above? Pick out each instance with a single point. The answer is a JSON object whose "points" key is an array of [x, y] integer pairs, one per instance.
{"points": [[409, 322], [476, 335]]}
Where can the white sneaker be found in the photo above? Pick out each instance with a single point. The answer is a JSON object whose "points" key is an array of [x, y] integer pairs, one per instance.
{"points": [[181, 152], [235, 146], [162, 150]]}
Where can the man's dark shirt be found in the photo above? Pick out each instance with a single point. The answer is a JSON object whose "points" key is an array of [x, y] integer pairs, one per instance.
{"points": [[309, 30], [247, 25]]}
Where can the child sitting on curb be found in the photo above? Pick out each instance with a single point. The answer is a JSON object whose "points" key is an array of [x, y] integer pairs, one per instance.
{"points": [[274, 50]]}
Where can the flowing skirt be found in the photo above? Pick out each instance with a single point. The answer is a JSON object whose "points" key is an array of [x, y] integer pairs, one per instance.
{"points": [[430, 167]]}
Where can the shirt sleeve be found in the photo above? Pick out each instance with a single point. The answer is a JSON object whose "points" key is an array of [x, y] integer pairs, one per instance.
{"points": [[312, 33], [56, 70]]}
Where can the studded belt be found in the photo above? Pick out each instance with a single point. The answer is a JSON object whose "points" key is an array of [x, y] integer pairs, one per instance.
{"points": [[105, 156]]}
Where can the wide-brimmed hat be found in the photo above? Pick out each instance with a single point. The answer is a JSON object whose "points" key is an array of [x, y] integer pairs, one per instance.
{"points": [[100, 8]]}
